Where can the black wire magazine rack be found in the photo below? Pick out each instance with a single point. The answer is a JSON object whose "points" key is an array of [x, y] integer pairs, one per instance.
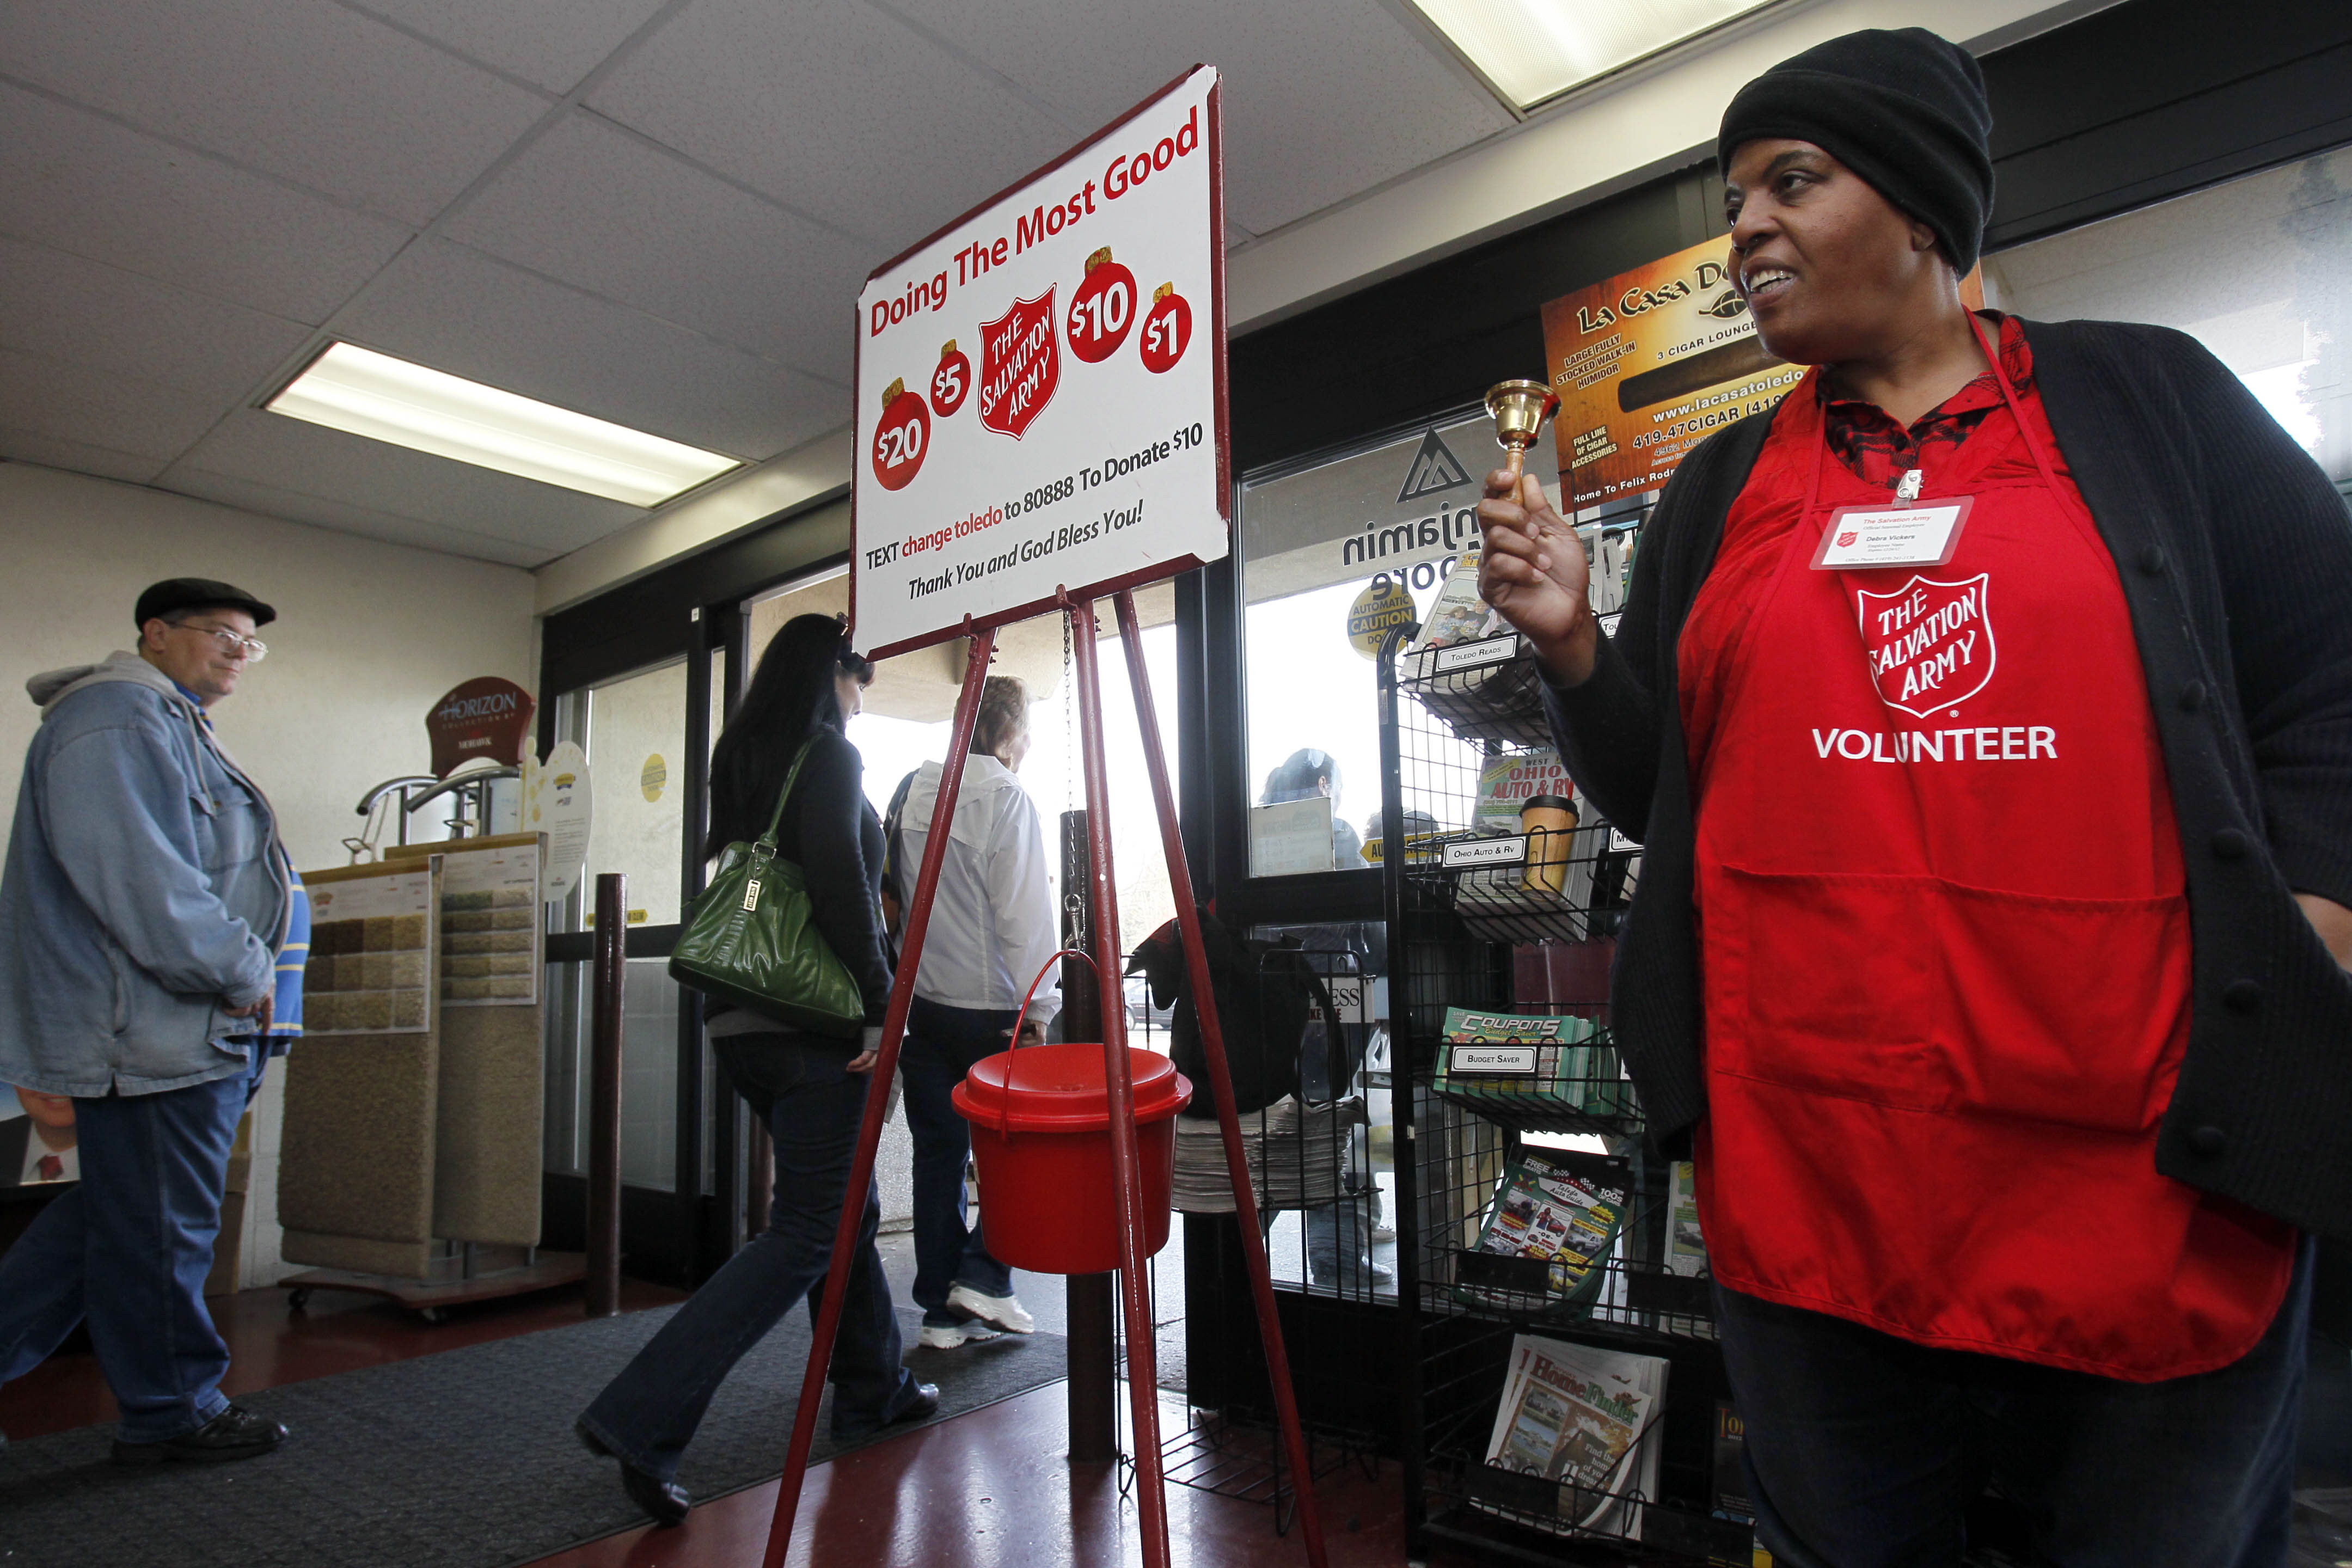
{"points": [[1533, 1210]]}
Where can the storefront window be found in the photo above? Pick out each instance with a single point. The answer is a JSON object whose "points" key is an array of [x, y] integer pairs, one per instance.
{"points": [[1329, 552], [910, 706], [2259, 270]]}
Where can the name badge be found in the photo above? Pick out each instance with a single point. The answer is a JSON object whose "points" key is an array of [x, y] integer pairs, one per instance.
{"points": [[1863, 538]]}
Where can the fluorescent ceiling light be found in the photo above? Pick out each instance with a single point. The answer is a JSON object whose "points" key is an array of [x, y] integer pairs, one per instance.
{"points": [[367, 394], [1529, 50]]}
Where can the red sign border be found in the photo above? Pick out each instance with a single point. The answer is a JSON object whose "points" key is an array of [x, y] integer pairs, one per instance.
{"points": [[1159, 571]]}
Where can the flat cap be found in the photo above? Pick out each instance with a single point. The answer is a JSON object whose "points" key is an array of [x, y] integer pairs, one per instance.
{"points": [[176, 594]]}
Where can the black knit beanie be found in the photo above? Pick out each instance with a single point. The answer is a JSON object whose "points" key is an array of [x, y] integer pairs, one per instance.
{"points": [[1904, 110]]}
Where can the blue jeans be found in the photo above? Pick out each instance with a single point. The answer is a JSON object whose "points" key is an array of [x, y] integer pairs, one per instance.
{"points": [[941, 1046], [1862, 1449], [129, 1249], [812, 1105]]}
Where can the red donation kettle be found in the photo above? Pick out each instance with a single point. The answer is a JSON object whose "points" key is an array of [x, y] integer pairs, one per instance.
{"points": [[1041, 1135]]}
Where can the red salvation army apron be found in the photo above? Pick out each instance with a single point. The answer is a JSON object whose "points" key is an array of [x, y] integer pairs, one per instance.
{"points": [[1945, 935]]}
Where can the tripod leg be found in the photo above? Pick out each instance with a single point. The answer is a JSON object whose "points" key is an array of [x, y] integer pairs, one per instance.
{"points": [[1142, 1379]]}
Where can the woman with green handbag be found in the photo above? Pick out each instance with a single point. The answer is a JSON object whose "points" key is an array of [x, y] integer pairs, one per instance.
{"points": [[785, 765]]}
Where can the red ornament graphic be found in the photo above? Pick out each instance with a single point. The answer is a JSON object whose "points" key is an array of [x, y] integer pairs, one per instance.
{"points": [[902, 438], [1102, 309], [1166, 331], [951, 381], [1020, 365]]}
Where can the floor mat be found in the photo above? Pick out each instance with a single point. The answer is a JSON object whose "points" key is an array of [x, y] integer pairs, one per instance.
{"points": [[463, 1459]]}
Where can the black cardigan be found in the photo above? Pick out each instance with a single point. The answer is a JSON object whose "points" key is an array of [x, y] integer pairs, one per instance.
{"points": [[2235, 556]]}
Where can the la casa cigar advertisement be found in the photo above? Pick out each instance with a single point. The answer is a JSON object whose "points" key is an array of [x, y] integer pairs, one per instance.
{"points": [[1649, 363], [1646, 364]]}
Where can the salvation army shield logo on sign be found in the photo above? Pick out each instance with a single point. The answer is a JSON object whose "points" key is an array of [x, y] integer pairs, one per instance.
{"points": [[1020, 365], [1929, 642]]}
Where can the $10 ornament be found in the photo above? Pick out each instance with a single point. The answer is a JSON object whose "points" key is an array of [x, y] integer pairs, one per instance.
{"points": [[1102, 308]]}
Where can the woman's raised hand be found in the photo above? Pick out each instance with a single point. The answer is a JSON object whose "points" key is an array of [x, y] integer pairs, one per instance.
{"points": [[1533, 569]]}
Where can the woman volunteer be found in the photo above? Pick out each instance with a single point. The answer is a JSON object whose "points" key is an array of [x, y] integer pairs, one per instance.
{"points": [[1985, 713]]}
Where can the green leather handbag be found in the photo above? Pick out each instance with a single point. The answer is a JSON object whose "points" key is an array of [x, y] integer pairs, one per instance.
{"points": [[753, 939]]}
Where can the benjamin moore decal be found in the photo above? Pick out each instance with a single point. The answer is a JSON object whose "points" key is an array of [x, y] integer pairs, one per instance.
{"points": [[1434, 470]]}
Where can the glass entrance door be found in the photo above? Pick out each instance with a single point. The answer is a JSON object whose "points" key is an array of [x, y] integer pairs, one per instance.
{"points": [[634, 731]]}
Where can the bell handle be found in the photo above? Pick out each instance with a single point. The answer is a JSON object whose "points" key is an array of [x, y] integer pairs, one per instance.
{"points": [[1004, 1112]]}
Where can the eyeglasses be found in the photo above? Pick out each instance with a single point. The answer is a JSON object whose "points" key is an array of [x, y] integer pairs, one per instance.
{"points": [[235, 645]]}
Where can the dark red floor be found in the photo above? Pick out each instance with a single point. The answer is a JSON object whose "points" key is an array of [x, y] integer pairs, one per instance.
{"points": [[991, 1489]]}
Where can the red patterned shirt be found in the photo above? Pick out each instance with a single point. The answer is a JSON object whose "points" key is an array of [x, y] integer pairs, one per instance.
{"points": [[1878, 451]]}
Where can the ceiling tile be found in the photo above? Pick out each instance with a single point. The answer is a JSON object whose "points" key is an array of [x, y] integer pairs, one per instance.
{"points": [[311, 92], [553, 45], [69, 308], [835, 108], [351, 470], [1322, 99], [27, 447], [80, 183], [273, 500], [457, 310], [598, 208], [76, 402]]}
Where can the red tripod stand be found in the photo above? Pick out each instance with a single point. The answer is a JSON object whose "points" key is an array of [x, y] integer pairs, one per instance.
{"points": [[1142, 1381]]}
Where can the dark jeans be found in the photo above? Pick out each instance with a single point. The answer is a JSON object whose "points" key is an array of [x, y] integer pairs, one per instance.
{"points": [[812, 1104], [1864, 1449], [942, 1043], [129, 1249]]}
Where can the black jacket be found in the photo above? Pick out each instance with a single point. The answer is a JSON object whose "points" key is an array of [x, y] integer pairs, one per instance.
{"points": [[2235, 556], [830, 831]]}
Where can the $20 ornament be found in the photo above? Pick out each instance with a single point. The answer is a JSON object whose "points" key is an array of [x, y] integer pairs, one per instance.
{"points": [[902, 438]]}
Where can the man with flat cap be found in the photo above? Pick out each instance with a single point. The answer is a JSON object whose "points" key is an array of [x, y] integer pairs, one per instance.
{"points": [[144, 904], [1985, 713]]}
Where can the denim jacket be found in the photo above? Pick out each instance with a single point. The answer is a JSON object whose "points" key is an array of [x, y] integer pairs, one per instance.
{"points": [[145, 891]]}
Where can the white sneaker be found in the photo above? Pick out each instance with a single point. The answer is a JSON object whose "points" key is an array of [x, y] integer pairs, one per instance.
{"points": [[936, 1337], [1005, 1313]]}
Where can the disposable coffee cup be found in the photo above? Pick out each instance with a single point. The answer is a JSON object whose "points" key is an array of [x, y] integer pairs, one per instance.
{"points": [[1548, 820]]}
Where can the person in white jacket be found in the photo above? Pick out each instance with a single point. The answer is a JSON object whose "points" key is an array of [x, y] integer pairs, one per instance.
{"points": [[993, 928]]}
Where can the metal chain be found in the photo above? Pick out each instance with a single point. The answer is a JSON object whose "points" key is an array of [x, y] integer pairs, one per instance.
{"points": [[1069, 707]]}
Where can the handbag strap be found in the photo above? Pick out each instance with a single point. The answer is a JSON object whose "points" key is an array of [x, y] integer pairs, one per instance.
{"points": [[767, 841]]}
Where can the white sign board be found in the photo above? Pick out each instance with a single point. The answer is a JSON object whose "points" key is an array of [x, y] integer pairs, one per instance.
{"points": [[1040, 388], [557, 801]]}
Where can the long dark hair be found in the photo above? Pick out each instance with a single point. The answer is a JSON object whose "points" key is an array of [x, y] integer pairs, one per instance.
{"points": [[792, 695]]}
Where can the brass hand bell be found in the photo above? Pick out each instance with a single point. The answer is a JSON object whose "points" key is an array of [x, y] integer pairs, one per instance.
{"points": [[1520, 408]]}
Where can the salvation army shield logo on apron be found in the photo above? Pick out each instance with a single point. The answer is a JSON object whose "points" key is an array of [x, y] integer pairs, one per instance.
{"points": [[1020, 365], [1929, 642]]}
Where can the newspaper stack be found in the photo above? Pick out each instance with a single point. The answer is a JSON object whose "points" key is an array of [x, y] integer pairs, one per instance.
{"points": [[1298, 1156], [1590, 1420]]}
